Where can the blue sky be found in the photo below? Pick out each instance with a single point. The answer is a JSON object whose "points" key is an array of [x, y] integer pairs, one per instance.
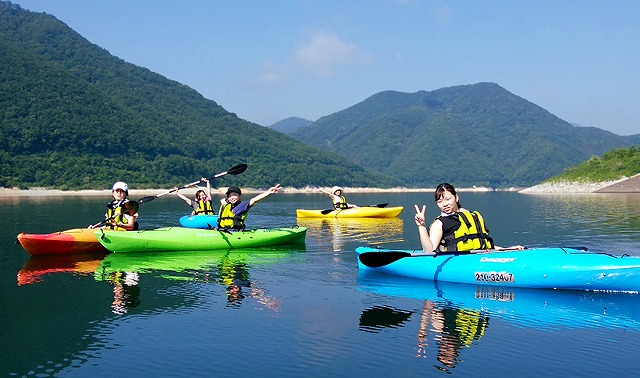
{"points": [[269, 60]]}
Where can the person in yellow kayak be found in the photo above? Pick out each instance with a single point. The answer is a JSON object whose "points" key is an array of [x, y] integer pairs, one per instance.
{"points": [[337, 198], [455, 229], [121, 214], [201, 204], [234, 211]]}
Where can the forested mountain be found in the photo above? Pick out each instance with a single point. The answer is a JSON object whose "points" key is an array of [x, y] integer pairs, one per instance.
{"points": [[291, 124], [477, 134], [74, 116]]}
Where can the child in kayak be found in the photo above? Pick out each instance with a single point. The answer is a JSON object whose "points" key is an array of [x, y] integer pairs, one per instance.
{"points": [[201, 204], [337, 198], [121, 214], [233, 211], [455, 229]]}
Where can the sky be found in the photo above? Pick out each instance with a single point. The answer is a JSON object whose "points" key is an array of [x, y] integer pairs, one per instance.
{"points": [[270, 60]]}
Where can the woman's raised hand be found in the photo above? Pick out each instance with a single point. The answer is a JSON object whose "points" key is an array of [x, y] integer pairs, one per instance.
{"points": [[420, 216]]}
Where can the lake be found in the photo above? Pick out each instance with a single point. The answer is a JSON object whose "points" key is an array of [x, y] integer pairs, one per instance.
{"points": [[307, 311]]}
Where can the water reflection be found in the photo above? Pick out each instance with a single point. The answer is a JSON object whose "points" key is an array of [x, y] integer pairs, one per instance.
{"points": [[344, 230], [544, 309], [456, 316], [36, 268], [587, 219], [229, 268], [453, 329]]}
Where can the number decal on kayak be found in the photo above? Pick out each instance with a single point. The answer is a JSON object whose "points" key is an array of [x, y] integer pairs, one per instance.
{"points": [[494, 277]]}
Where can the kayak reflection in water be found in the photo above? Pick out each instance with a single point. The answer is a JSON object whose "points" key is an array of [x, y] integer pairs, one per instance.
{"points": [[453, 329]]}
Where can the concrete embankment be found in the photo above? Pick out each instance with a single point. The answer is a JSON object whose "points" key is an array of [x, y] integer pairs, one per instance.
{"points": [[624, 185]]}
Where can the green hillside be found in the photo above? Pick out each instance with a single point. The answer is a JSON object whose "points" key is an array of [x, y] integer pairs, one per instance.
{"points": [[73, 116], [613, 165], [477, 134]]}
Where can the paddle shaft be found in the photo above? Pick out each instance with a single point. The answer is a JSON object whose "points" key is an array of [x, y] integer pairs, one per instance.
{"points": [[377, 259], [233, 171]]}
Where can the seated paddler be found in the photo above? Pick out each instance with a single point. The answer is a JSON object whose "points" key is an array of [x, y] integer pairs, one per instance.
{"points": [[201, 204], [234, 211], [456, 229], [122, 214]]}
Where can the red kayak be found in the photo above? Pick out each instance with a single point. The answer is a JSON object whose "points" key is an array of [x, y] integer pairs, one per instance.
{"points": [[76, 240]]}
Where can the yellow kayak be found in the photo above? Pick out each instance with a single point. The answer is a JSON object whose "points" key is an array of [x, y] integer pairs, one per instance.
{"points": [[356, 212]]}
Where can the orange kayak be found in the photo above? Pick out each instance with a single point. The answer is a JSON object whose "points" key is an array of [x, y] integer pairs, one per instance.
{"points": [[76, 240]]}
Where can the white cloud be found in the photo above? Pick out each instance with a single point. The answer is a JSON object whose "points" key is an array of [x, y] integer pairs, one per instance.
{"points": [[323, 52], [272, 74]]}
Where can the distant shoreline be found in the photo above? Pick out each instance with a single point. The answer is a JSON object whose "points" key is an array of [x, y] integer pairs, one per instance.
{"points": [[44, 192], [546, 188]]}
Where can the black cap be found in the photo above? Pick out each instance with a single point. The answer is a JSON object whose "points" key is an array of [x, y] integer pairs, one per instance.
{"points": [[234, 189]]}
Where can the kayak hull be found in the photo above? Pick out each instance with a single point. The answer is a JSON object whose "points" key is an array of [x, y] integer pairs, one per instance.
{"points": [[76, 240], [356, 212], [199, 221], [191, 239], [543, 268]]}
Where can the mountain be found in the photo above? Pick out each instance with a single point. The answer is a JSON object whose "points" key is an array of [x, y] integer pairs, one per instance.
{"points": [[73, 116], [291, 124], [478, 134]]}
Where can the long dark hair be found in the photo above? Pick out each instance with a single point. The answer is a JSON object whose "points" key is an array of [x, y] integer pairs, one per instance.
{"points": [[445, 187]]}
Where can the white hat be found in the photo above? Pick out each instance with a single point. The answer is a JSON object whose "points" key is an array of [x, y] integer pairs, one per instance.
{"points": [[336, 188], [120, 185]]}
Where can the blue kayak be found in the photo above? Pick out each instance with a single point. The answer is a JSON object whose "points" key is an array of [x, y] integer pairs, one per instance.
{"points": [[543, 268], [207, 222]]}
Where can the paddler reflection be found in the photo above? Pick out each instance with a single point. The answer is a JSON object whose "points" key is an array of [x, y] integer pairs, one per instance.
{"points": [[453, 329], [126, 292], [443, 332], [234, 275]]}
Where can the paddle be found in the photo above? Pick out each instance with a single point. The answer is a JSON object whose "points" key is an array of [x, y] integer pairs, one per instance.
{"points": [[327, 211], [130, 207], [377, 259], [233, 171]]}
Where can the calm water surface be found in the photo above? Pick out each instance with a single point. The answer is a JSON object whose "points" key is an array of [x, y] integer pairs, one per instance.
{"points": [[308, 312]]}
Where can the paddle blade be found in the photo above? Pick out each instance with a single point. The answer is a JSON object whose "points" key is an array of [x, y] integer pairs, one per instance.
{"points": [[378, 259], [146, 199], [381, 205], [326, 211], [131, 207], [233, 170]]}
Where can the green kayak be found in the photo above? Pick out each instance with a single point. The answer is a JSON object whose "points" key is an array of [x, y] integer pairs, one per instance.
{"points": [[193, 239]]}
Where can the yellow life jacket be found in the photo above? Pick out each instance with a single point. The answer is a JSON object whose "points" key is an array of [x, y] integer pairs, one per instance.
{"points": [[342, 204], [228, 220], [113, 209], [471, 234], [204, 207]]}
